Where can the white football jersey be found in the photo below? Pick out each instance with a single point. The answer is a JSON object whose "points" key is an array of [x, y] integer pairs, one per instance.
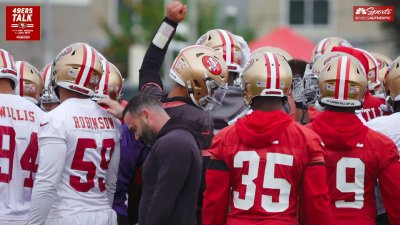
{"points": [[19, 122], [92, 137], [387, 125]]}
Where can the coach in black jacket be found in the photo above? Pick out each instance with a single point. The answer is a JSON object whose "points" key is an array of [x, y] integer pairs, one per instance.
{"points": [[172, 170]]}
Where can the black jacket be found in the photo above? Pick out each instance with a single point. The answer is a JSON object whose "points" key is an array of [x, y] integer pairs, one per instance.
{"points": [[171, 177]]}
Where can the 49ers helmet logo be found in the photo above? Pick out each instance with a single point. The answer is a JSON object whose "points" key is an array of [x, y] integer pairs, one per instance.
{"points": [[212, 65]]}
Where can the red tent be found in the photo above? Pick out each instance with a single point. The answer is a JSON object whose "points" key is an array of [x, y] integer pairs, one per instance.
{"points": [[287, 39]]}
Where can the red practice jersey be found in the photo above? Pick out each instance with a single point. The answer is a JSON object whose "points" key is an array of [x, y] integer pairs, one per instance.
{"points": [[355, 158], [259, 168]]}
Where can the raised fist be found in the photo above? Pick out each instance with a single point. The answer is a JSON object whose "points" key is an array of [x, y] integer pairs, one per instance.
{"points": [[176, 11]]}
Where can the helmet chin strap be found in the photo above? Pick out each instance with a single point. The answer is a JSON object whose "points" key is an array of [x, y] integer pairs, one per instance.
{"points": [[57, 91], [193, 99], [190, 91]]}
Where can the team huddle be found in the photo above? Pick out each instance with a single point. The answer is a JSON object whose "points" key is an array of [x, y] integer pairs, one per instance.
{"points": [[241, 137]]}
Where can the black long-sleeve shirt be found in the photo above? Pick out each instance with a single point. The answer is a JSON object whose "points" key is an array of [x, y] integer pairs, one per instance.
{"points": [[177, 107]]}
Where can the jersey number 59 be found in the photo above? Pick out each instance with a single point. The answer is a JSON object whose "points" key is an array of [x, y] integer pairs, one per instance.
{"points": [[87, 144]]}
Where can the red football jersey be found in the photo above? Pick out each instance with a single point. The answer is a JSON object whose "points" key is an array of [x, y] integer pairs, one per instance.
{"points": [[258, 169], [356, 157], [371, 108]]}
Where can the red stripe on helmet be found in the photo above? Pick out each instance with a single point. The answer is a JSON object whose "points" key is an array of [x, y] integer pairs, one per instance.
{"points": [[105, 90], [346, 84], [83, 66], [21, 79], [278, 76], [337, 85], [326, 42], [232, 47], [223, 44], [91, 68], [268, 65], [3, 57]]}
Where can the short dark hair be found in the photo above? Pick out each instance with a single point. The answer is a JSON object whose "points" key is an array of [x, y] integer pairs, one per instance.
{"points": [[141, 101], [298, 66]]}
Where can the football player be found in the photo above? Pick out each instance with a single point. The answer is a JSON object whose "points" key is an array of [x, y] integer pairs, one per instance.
{"points": [[290, 106], [19, 124], [387, 125], [372, 104], [49, 99], [78, 147], [110, 85], [199, 74], [384, 63], [235, 52], [355, 155], [261, 165], [30, 84], [133, 152]]}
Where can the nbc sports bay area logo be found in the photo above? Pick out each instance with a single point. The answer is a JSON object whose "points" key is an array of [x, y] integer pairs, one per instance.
{"points": [[373, 13]]}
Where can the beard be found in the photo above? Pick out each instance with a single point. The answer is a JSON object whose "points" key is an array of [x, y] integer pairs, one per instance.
{"points": [[148, 136]]}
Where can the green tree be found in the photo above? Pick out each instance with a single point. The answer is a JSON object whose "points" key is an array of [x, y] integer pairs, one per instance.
{"points": [[138, 21]]}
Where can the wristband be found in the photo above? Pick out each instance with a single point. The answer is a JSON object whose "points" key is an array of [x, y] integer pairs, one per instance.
{"points": [[163, 35]]}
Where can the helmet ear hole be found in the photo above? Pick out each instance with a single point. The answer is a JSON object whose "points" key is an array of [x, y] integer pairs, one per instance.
{"points": [[397, 65], [196, 84], [73, 53], [209, 37], [329, 68]]}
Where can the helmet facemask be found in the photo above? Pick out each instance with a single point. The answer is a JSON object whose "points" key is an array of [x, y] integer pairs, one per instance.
{"points": [[203, 73], [216, 94]]}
